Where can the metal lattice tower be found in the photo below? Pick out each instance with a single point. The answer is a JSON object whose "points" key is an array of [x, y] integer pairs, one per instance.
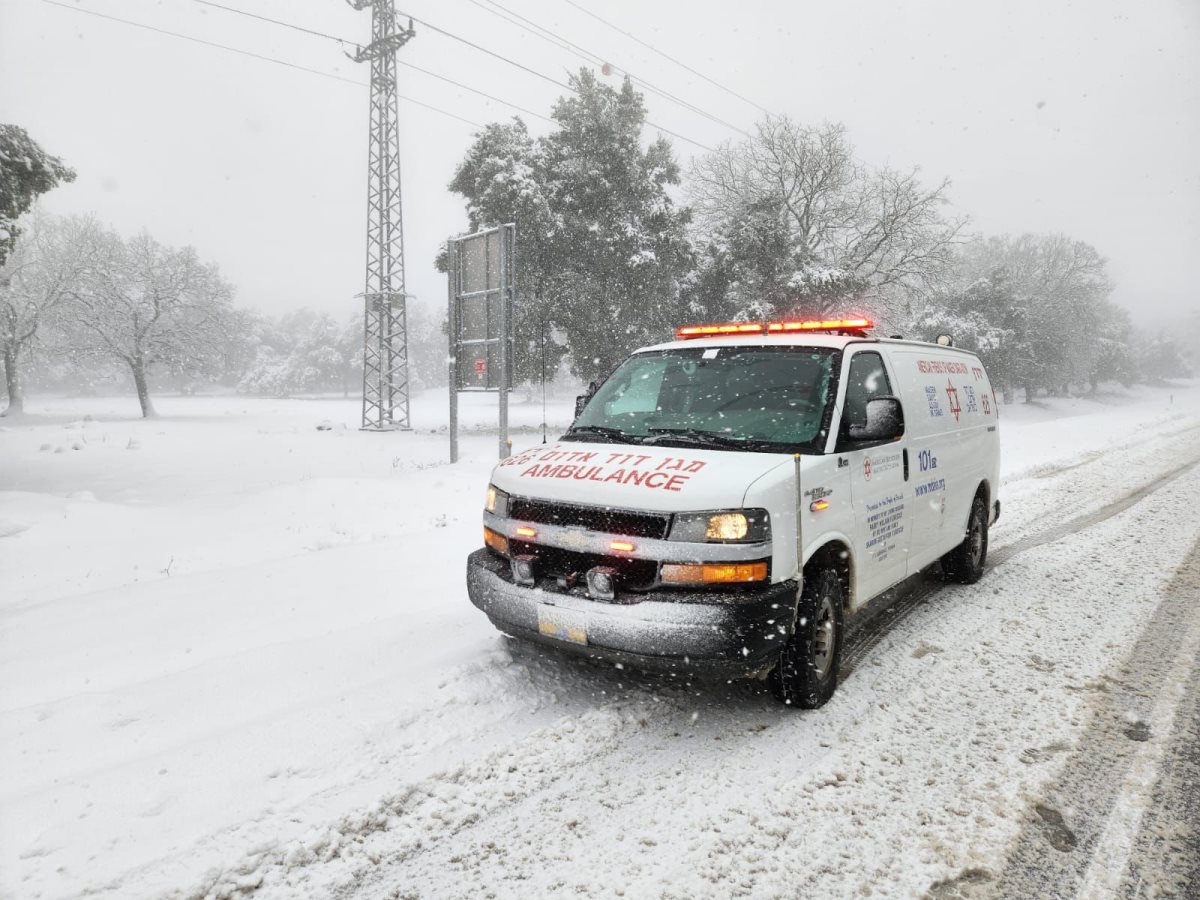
{"points": [[385, 341]]}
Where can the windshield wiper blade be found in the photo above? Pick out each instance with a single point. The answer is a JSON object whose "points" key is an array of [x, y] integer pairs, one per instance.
{"points": [[711, 438], [603, 431]]}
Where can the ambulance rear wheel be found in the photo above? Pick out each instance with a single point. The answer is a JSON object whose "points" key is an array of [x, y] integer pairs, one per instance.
{"points": [[965, 562], [806, 674]]}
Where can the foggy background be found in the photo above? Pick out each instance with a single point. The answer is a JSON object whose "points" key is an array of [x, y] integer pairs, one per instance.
{"points": [[1073, 117]]}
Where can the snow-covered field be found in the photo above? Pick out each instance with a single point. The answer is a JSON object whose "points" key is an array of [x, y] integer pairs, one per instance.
{"points": [[236, 653]]}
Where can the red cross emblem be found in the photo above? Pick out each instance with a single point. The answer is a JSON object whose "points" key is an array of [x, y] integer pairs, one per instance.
{"points": [[867, 468], [952, 396]]}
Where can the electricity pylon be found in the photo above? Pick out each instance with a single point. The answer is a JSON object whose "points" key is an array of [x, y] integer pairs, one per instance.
{"points": [[385, 334]]}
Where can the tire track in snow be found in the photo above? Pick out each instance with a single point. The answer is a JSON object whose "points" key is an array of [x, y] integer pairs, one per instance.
{"points": [[863, 637], [1166, 853], [1081, 834], [424, 815], [1050, 470]]}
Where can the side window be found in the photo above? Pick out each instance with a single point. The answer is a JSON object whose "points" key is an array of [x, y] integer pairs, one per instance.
{"points": [[866, 380]]}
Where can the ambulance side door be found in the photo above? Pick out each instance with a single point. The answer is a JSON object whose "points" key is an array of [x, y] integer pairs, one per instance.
{"points": [[878, 479], [932, 452]]}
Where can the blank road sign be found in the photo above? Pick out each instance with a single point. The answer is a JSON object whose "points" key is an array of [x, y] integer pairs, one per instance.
{"points": [[483, 285]]}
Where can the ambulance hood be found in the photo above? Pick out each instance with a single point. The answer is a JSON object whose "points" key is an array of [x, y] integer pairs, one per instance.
{"points": [[635, 476]]}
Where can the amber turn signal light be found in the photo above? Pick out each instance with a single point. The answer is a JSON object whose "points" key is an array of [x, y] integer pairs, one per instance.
{"points": [[714, 573], [495, 540]]}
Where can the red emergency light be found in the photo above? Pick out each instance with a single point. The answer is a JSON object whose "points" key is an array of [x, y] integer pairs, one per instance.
{"points": [[733, 328]]}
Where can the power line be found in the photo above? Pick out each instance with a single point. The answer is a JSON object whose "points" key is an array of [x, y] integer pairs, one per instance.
{"points": [[259, 56], [541, 75], [458, 84], [411, 100], [553, 37], [294, 27], [196, 40], [467, 87], [681, 64], [556, 42], [492, 53]]}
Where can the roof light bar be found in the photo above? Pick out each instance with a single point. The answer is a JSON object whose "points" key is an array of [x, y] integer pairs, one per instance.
{"points": [[692, 331], [720, 329]]}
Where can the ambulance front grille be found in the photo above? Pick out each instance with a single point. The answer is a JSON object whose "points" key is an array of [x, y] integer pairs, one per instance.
{"points": [[632, 574], [593, 518]]}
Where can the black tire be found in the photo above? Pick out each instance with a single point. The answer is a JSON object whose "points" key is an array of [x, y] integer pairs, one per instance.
{"points": [[807, 672], [965, 562]]}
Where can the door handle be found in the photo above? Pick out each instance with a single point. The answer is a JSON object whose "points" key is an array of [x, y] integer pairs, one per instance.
{"points": [[906, 464]]}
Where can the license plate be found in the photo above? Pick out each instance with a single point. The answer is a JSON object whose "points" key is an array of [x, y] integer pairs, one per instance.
{"points": [[562, 624]]}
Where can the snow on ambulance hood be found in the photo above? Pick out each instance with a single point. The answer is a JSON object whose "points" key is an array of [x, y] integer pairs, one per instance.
{"points": [[634, 476]]}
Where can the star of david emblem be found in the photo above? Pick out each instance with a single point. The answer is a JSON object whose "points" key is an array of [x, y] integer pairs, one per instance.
{"points": [[952, 396]]}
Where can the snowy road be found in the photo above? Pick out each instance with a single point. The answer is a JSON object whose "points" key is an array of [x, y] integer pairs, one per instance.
{"points": [[1031, 730], [904, 777]]}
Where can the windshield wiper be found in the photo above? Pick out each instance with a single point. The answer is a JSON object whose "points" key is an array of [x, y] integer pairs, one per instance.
{"points": [[697, 436], [614, 434]]}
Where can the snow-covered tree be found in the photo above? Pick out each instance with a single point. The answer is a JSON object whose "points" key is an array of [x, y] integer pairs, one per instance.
{"points": [[790, 222], [602, 245], [503, 179], [623, 240], [428, 347], [26, 171], [303, 352], [150, 307], [44, 270], [1160, 358], [1113, 359], [1044, 300], [241, 339]]}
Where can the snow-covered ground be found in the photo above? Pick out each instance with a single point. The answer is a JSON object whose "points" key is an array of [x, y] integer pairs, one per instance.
{"points": [[236, 652]]}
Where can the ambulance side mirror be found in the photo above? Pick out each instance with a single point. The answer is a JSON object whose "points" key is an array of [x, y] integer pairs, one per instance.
{"points": [[582, 400], [885, 422]]}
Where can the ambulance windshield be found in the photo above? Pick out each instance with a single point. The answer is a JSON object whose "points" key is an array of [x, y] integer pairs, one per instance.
{"points": [[770, 399]]}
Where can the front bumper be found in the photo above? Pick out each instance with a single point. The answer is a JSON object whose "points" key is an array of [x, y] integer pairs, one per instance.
{"points": [[701, 632]]}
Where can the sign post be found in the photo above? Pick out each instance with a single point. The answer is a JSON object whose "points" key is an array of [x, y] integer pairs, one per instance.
{"points": [[481, 289], [452, 290]]}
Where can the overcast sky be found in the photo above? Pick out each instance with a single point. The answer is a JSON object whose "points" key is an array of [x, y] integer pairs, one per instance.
{"points": [[1047, 116]]}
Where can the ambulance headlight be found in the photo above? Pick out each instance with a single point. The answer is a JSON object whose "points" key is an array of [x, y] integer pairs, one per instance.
{"points": [[497, 501], [724, 526]]}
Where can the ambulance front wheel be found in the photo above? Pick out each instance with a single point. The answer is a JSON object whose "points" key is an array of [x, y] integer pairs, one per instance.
{"points": [[965, 562], [806, 674]]}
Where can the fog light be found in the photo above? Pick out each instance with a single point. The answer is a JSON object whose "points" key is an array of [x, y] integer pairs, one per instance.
{"points": [[522, 569], [602, 583]]}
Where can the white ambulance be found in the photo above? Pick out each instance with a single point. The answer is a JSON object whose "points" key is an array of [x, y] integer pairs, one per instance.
{"points": [[724, 502]]}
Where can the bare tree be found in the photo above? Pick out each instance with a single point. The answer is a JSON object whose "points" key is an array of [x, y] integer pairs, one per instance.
{"points": [[151, 307], [797, 220], [52, 259]]}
